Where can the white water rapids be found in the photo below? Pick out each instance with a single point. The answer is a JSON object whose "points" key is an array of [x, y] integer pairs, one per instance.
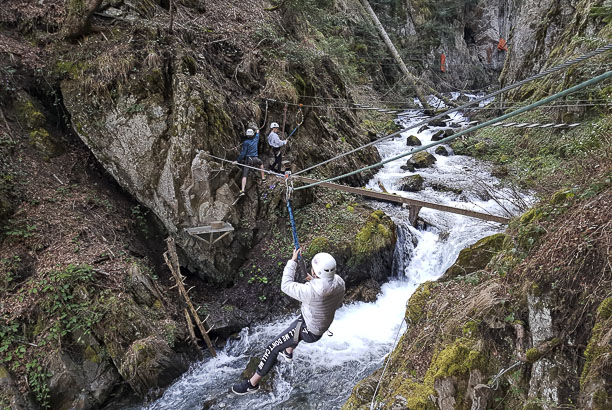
{"points": [[323, 374]]}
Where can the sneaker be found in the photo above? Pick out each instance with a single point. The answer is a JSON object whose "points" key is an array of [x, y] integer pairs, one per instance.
{"points": [[241, 193], [244, 387], [286, 355]]}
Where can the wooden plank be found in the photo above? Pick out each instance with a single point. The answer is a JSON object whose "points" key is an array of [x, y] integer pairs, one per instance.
{"points": [[192, 335], [199, 230], [400, 199]]}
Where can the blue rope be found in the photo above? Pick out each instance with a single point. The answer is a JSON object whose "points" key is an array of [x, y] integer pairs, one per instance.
{"points": [[296, 242], [294, 130]]}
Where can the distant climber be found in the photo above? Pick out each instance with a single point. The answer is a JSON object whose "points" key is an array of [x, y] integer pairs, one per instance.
{"points": [[248, 156], [276, 143], [502, 45], [320, 298]]}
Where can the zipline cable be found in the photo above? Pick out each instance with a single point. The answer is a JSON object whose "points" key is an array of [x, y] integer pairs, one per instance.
{"points": [[529, 107], [478, 100], [296, 242]]}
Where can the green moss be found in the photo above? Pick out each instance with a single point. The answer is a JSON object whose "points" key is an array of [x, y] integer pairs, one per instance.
{"points": [[533, 355], [456, 359], [374, 236], [530, 216], [317, 245], [91, 355], [416, 303], [470, 328], [70, 69], [477, 256], [3, 372], [600, 400], [29, 116], [532, 406], [595, 349], [604, 311], [561, 197]]}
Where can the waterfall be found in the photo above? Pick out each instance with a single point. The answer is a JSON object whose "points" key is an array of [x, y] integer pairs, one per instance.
{"points": [[323, 374]]}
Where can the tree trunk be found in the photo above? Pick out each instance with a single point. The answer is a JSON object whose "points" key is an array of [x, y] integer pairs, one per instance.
{"points": [[411, 78]]}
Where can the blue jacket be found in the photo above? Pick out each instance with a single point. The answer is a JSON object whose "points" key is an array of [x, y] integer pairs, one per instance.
{"points": [[249, 148]]}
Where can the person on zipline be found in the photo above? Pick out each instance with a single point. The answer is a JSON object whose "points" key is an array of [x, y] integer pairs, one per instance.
{"points": [[248, 156], [276, 143], [320, 298]]}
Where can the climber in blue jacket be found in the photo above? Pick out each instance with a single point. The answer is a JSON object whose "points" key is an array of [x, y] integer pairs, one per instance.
{"points": [[248, 156]]}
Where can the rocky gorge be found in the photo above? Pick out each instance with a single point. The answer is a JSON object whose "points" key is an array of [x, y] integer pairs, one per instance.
{"points": [[111, 108]]}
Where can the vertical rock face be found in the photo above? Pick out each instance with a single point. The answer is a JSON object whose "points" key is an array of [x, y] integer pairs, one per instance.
{"points": [[467, 33], [544, 29]]}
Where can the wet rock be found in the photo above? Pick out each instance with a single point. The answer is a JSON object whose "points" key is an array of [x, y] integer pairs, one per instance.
{"points": [[437, 123], [85, 384], [422, 159], [227, 319], [10, 394], [440, 150], [438, 135], [141, 286], [371, 251], [413, 141], [475, 257], [444, 188], [408, 167], [423, 128], [149, 363], [412, 183]]}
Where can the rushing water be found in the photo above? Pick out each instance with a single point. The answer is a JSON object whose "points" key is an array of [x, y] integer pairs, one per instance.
{"points": [[323, 374]]}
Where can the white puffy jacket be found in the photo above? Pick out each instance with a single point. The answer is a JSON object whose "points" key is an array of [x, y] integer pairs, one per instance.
{"points": [[320, 297]]}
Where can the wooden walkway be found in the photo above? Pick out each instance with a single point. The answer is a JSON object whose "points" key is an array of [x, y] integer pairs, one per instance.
{"points": [[413, 203]]}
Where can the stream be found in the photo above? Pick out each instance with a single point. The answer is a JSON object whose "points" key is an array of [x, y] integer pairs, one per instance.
{"points": [[323, 374]]}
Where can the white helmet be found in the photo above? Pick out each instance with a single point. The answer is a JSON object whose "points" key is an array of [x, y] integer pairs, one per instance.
{"points": [[274, 125], [250, 132], [324, 265]]}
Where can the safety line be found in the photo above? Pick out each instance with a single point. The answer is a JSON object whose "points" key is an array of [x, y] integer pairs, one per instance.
{"points": [[478, 100], [396, 110], [546, 100], [243, 165]]}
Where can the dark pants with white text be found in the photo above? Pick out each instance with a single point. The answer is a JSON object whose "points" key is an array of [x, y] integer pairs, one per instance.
{"points": [[281, 342]]}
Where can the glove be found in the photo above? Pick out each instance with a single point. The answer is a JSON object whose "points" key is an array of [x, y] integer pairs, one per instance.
{"points": [[234, 162]]}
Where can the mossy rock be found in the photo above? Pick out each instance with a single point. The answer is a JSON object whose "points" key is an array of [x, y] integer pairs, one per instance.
{"points": [[416, 303], [317, 245], [476, 257], [28, 112], [456, 360], [597, 349], [412, 183], [562, 196], [377, 234], [45, 143], [413, 141], [440, 150], [423, 159]]}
